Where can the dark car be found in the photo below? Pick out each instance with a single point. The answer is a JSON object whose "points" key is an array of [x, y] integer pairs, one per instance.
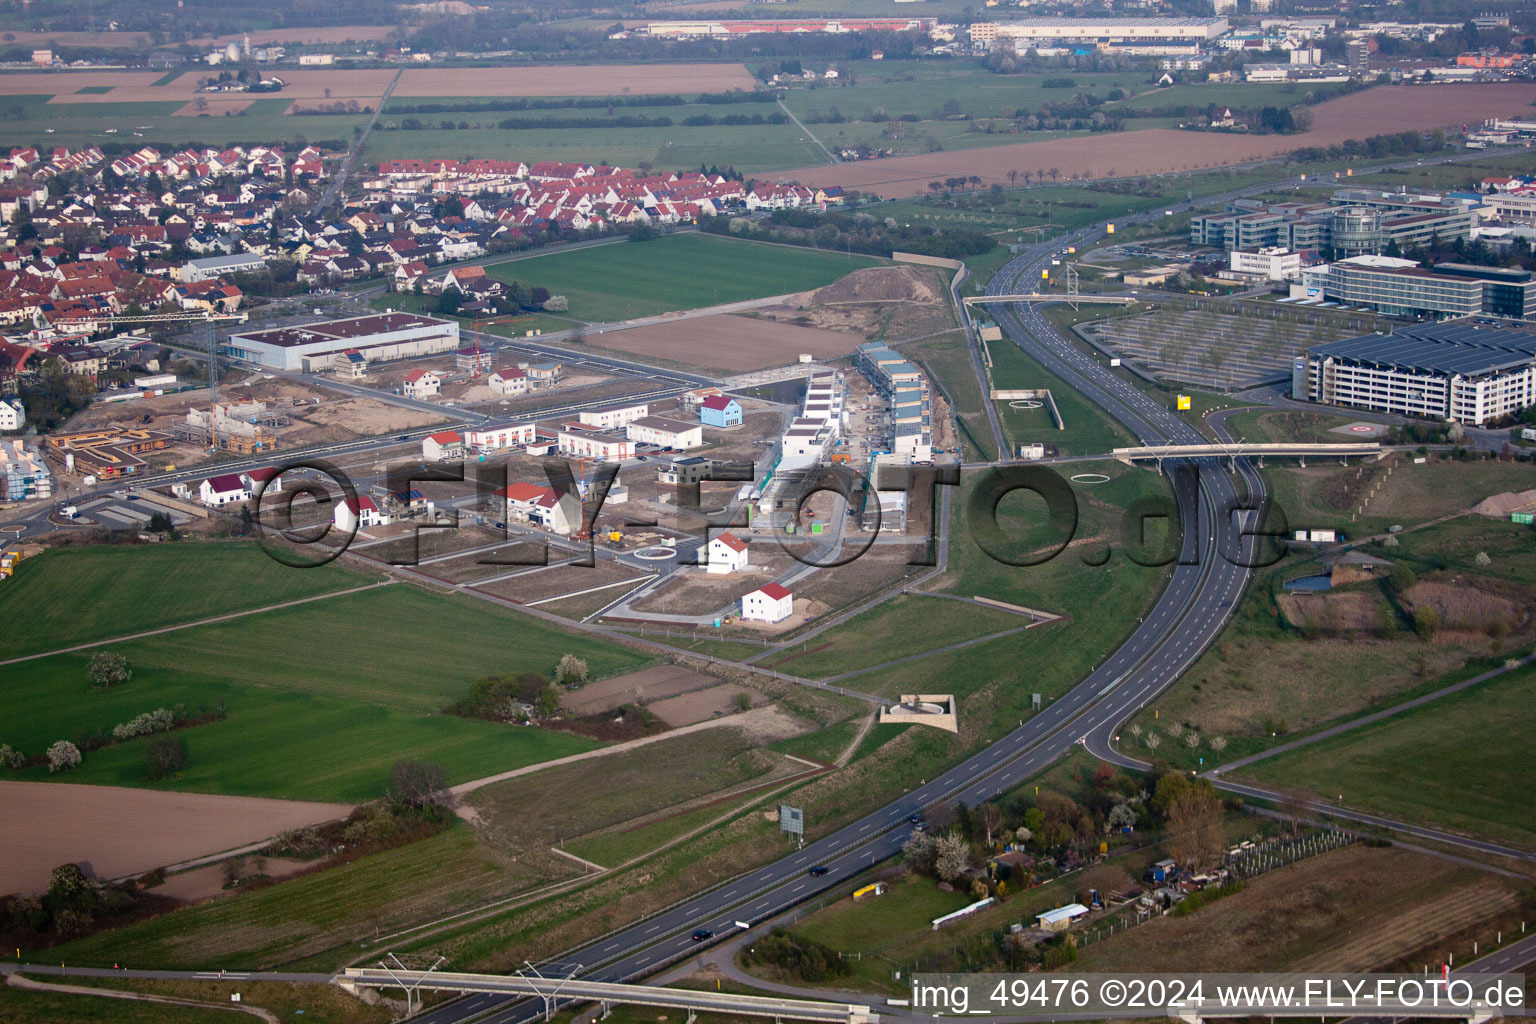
{"points": [[819, 870], [403, 437], [702, 934]]}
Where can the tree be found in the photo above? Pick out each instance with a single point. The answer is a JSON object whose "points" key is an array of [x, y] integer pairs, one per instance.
{"points": [[1121, 816], [109, 669], [11, 758], [1293, 807], [549, 700], [743, 701], [571, 670], [63, 756], [991, 821], [952, 856], [1103, 879], [164, 756], [1401, 578], [68, 887], [1194, 825], [919, 851], [557, 304], [417, 784]]}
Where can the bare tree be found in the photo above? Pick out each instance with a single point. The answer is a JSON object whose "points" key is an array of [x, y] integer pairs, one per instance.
{"points": [[1153, 741], [1194, 825], [1192, 740], [1218, 743], [991, 821], [1293, 807]]}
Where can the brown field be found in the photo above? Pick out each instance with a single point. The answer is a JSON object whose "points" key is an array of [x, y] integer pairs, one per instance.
{"points": [[1346, 613], [574, 80], [1164, 150], [112, 832], [1363, 907], [563, 581], [217, 106], [701, 594], [649, 684], [687, 708], [727, 342], [1467, 607]]}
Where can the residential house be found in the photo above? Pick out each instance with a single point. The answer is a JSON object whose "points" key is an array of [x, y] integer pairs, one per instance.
{"points": [[769, 603], [422, 384], [360, 512], [665, 433], [727, 553], [443, 446], [508, 382], [553, 510], [218, 491], [720, 411]]}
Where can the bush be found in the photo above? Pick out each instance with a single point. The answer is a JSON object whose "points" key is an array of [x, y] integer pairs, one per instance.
{"points": [[109, 669], [802, 958], [63, 756], [11, 758], [159, 720], [164, 757]]}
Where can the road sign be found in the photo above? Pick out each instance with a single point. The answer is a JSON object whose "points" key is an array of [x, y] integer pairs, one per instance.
{"points": [[1184, 403], [792, 819]]}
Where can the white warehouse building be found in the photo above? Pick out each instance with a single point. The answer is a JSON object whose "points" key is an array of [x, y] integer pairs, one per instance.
{"points": [[378, 337]]}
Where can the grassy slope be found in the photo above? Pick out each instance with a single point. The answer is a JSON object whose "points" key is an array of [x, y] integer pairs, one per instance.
{"points": [[1463, 762], [686, 271], [77, 595]]}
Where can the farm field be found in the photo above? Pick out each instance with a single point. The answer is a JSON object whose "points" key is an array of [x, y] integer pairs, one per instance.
{"points": [[1164, 150], [72, 596], [318, 1004], [536, 810], [320, 700], [676, 272], [574, 80], [304, 916], [1461, 763], [22, 1005], [727, 342], [121, 832]]}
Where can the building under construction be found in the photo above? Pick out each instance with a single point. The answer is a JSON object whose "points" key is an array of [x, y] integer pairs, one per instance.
{"points": [[241, 427], [106, 454]]}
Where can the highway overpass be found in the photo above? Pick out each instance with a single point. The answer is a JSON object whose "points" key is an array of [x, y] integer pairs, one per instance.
{"points": [[1158, 452], [1112, 300], [553, 991]]}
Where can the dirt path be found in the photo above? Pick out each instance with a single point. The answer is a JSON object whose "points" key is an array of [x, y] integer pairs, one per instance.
{"points": [[21, 981], [858, 737], [199, 622]]}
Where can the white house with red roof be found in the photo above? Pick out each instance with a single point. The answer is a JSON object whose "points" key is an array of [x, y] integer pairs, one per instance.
{"points": [[442, 446], [771, 602], [218, 491], [508, 382], [727, 553], [360, 512], [269, 478], [493, 439], [422, 384], [554, 510]]}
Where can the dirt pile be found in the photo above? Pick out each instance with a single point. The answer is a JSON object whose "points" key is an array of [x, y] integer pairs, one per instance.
{"points": [[876, 284], [1499, 506]]}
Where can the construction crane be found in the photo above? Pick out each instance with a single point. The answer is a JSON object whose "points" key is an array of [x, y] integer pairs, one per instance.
{"points": [[189, 316]]}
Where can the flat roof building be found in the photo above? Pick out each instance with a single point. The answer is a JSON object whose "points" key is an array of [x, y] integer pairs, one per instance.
{"points": [[378, 337], [1465, 372]]}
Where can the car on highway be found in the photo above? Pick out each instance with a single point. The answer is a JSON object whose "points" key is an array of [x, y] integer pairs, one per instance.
{"points": [[818, 870], [701, 934], [402, 437]]}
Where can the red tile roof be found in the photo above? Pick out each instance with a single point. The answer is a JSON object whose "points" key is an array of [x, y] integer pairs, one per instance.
{"points": [[774, 590]]}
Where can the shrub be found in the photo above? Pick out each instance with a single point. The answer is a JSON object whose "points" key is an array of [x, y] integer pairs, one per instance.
{"points": [[109, 669], [164, 757], [63, 756], [159, 720], [11, 758]]}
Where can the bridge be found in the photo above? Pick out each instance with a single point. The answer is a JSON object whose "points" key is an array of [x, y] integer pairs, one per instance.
{"points": [[1285, 449], [555, 990], [1112, 300]]}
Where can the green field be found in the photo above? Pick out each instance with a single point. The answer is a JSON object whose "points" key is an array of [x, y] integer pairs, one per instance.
{"points": [[321, 698], [684, 271], [1464, 763], [19, 1005], [70, 596], [1088, 430], [152, 123]]}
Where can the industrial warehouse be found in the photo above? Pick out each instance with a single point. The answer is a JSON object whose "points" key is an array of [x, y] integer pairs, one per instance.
{"points": [[1464, 372], [331, 343]]}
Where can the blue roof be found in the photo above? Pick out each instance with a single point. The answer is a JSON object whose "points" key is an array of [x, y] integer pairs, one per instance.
{"points": [[1451, 348]]}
